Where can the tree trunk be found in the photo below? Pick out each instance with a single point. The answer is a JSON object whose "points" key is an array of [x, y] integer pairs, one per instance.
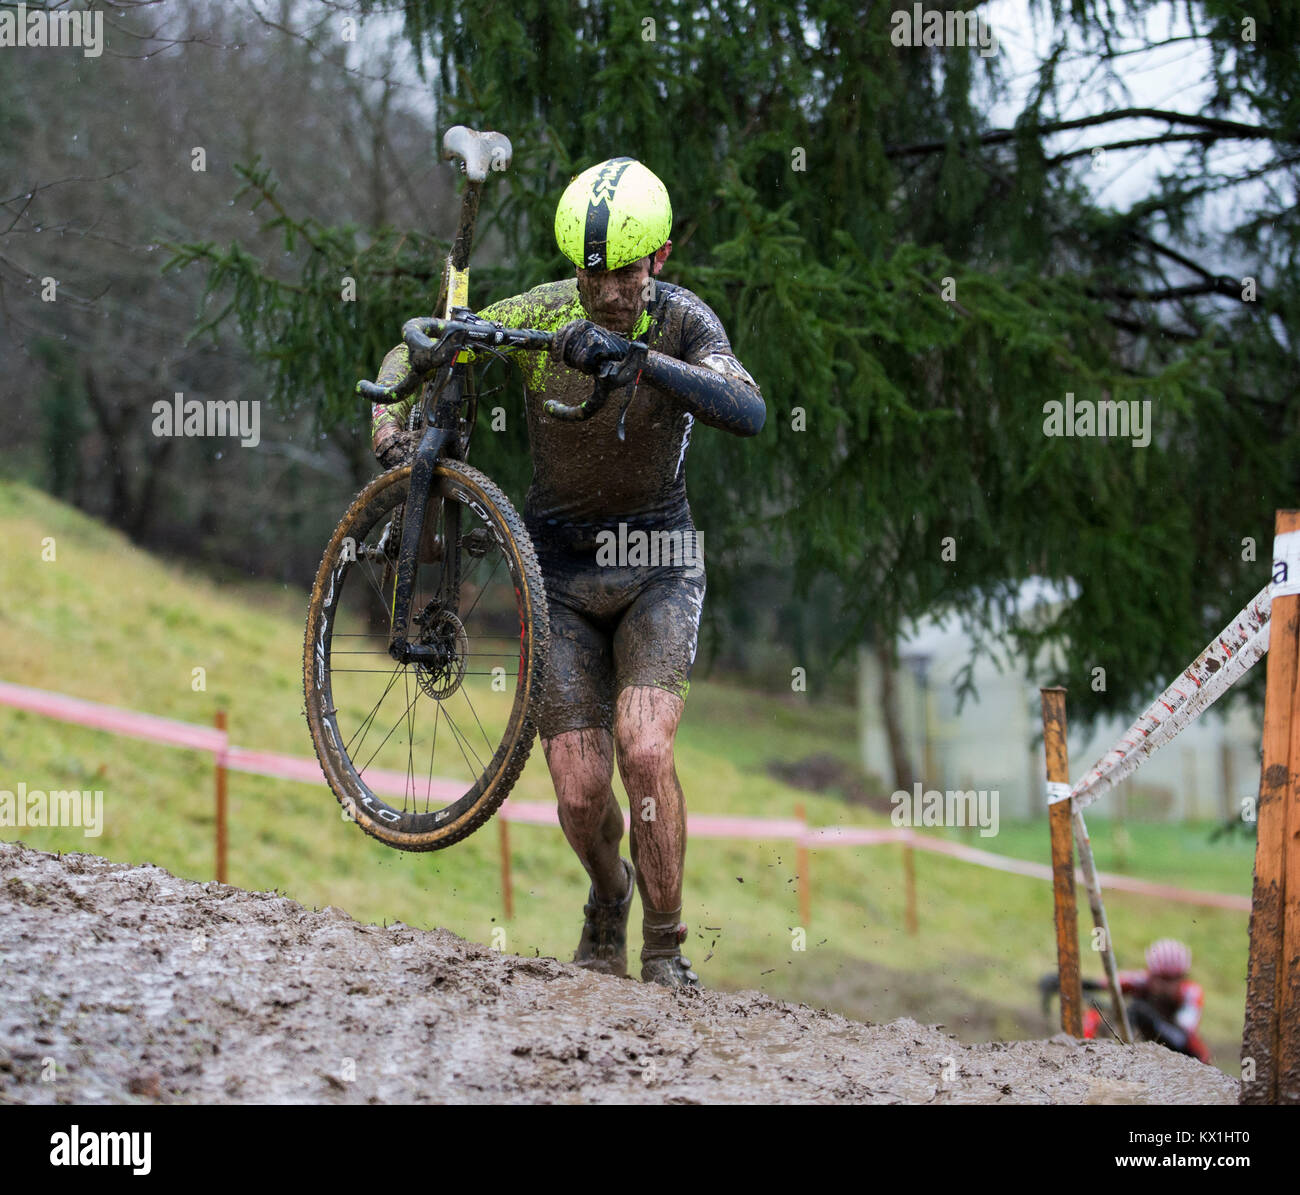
{"points": [[903, 773]]}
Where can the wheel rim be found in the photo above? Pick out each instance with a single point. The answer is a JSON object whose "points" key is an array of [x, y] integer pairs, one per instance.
{"points": [[414, 749]]}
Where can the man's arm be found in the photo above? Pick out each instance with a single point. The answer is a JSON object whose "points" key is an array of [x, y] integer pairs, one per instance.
{"points": [[1188, 1016], [388, 422], [707, 378], [717, 391]]}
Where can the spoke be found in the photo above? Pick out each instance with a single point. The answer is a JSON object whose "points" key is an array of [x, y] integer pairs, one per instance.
{"points": [[482, 591], [375, 585], [433, 748], [487, 741], [367, 721], [369, 671], [461, 743], [388, 736], [410, 741]]}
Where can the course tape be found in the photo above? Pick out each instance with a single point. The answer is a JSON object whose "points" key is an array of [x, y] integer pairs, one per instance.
{"points": [[1232, 653], [307, 770]]}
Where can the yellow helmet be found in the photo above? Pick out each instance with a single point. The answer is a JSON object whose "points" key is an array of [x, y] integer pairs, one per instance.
{"points": [[611, 214]]}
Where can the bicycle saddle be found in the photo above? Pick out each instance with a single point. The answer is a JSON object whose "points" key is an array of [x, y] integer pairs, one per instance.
{"points": [[478, 151]]}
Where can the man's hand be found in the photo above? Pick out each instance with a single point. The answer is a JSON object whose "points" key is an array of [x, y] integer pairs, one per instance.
{"points": [[587, 346], [395, 446]]}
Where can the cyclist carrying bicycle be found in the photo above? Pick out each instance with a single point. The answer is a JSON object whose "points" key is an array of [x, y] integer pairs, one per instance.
{"points": [[623, 634]]}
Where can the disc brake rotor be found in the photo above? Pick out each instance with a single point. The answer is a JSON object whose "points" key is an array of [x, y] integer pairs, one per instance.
{"points": [[443, 630]]}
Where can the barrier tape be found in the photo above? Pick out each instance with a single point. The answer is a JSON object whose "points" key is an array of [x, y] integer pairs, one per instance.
{"points": [[112, 719], [1232, 653], [306, 769]]}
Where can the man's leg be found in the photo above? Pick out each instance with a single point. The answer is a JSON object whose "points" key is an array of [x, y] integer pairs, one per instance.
{"points": [[645, 728], [582, 766], [654, 650]]}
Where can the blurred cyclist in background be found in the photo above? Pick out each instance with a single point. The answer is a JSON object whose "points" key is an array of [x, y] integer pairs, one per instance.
{"points": [[1163, 1004]]}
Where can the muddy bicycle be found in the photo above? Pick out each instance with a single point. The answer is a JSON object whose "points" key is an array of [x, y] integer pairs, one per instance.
{"points": [[427, 627]]}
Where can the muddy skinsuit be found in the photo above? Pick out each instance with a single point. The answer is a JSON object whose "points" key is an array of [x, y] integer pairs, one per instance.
{"points": [[619, 555], [623, 567]]}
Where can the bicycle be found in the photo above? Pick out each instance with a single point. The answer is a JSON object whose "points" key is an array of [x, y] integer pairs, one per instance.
{"points": [[410, 564]]}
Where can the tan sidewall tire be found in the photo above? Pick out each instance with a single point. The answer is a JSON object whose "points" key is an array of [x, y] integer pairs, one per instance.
{"points": [[363, 806]]}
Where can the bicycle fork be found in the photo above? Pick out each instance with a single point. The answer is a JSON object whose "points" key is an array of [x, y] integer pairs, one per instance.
{"points": [[416, 510]]}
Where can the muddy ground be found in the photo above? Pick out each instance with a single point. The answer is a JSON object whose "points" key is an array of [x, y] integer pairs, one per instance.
{"points": [[125, 984]]}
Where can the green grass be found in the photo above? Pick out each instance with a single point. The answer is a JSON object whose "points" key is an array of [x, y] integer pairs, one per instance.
{"points": [[107, 622]]}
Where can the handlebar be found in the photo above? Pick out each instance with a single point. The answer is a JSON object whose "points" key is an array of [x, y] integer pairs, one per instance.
{"points": [[610, 376], [434, 343], [471, 330]]}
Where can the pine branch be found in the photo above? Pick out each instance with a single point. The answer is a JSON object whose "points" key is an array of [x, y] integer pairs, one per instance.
{"points": [[1214, 129]]}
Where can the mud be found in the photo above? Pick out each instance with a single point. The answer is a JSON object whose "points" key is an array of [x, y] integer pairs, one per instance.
{"points": [[583, 473], [124, 984]]}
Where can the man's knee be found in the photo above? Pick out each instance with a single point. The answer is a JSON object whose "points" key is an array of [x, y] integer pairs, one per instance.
{"points": [[644, 732], [582, 765]]}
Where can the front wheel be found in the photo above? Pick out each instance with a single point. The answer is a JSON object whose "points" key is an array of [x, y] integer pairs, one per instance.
{"points": [[421, 755]]}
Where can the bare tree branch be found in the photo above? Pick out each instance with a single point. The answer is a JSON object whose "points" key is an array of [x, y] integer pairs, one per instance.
{"points": [[1213, 127]]}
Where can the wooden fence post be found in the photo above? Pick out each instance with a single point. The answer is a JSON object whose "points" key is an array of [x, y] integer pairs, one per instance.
{"points": [[219, 720], [1270, 1042], [909, 890], [507, 888], [801, 864], [1067, 916]]}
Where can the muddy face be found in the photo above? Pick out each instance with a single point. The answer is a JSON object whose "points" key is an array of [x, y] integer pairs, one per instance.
{"points": [[615, 298]]}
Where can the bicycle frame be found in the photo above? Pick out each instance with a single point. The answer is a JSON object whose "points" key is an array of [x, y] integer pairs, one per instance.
{"points": [[477, 152], [440, 429]]}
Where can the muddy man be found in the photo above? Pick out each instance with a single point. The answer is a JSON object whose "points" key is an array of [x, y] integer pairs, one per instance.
{"points": [[608, 515]]}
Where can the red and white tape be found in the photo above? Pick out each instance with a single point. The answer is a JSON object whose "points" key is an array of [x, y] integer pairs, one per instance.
{"points": [[390, 783], [1233, 652]]}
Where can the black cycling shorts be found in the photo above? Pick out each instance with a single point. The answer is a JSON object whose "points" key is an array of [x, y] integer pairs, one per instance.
{"points": [[617, 618]]}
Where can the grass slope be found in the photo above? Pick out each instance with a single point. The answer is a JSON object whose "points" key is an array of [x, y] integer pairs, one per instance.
{"points": [[107, 622]]}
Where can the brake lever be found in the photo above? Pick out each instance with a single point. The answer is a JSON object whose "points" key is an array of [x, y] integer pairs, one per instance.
{"points": [[373, 392], [428, 354], [609, 377], [635, 359]]}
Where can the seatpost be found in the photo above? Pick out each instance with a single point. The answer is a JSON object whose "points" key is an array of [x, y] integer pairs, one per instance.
{"points": [[478, 153]]}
